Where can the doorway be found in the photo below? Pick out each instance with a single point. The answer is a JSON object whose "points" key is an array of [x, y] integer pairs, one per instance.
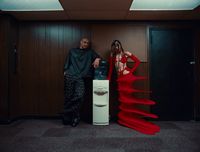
{"points": [[171, 54]]}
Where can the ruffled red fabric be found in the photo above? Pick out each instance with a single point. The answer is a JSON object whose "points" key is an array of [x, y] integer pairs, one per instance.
{"points": [[130, 115], [133, 100]]}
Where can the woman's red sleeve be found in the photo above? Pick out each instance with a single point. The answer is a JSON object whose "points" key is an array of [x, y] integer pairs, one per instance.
{"points": [[136, 64]]}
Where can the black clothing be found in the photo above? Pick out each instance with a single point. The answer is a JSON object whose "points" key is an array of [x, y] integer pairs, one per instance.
{"points": [[74, 93], [79, 62], [78, 65]]}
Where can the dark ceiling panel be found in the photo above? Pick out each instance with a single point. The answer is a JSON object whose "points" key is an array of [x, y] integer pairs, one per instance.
{"points": [[97, 15], [104, 10], [96, 5]]}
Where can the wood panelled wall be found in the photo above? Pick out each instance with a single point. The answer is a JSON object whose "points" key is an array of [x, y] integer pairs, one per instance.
{"points": [[37, 86], [42, 51], [3, 68]]}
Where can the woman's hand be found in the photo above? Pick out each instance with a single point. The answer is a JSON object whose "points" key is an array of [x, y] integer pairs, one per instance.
{"points": [[127, 53]]}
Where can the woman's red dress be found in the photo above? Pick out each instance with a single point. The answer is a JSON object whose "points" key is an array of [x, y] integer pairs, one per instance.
{"points": [[130, 115]]}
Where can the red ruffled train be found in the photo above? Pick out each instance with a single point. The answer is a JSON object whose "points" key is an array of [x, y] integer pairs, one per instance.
{"points": [[130, 115]]}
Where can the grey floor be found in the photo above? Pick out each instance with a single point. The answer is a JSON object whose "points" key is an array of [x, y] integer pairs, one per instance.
{"points": [[52, 136]]}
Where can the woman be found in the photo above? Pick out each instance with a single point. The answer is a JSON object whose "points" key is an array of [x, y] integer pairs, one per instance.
{"points": [[130, 115]]}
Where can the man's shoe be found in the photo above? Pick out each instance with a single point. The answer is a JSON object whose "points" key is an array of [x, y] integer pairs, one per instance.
{"points": [[75, 122]]}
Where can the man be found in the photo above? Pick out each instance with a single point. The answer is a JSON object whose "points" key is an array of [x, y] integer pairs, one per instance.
{"points": [[79, 64]]}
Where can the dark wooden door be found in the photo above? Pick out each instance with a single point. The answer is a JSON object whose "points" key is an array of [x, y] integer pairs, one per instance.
{"points": [[171, 73]]}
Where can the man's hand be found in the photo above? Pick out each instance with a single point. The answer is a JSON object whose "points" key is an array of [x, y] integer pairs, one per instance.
{"points": [[96, 62]]}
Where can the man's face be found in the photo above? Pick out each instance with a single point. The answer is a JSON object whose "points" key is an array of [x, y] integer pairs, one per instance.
{"points": [[84, 44]]}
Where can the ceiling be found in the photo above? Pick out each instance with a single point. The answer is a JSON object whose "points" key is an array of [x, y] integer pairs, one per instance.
{"points": [[104, 10]]}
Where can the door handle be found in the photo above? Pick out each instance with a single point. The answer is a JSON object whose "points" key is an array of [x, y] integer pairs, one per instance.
{"points": [[192, 62]]}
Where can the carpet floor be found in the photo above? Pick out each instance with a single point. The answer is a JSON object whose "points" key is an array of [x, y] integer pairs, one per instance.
{"points": [[35, 135]]}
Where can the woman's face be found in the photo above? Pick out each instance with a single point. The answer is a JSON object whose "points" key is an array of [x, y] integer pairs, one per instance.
{"points": [[116, 46]]}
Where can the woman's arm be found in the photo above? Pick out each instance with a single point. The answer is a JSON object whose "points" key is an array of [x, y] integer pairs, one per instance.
{"points": [[135, 59]]}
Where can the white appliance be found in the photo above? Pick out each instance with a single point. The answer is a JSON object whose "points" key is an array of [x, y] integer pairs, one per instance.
{"points": [[100, 102]]}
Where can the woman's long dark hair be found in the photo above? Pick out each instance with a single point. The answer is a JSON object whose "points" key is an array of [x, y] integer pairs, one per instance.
{"points": [[113, 45]]}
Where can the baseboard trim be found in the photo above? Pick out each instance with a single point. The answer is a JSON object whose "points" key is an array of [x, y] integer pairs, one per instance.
{"points": [[9, 121]]}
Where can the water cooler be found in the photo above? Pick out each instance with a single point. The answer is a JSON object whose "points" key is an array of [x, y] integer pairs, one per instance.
{"points": [[101, 96]]}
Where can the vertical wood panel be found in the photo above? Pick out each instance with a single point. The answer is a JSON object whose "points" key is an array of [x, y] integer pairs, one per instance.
{"points": [[8, 79], [13, 71], [28, 70], [42, 57], [4, 41]]}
